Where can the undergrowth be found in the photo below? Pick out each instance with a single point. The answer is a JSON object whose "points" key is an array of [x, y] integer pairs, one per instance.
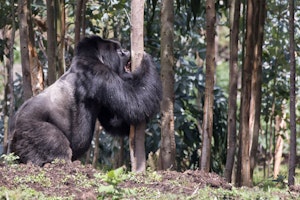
{"points": [[114, 185]]}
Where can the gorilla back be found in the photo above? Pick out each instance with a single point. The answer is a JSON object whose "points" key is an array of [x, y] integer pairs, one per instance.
{"points": [[59, 122]]}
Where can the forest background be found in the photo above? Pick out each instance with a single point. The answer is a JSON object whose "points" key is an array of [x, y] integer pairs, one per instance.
{"points": [[28, 26]]}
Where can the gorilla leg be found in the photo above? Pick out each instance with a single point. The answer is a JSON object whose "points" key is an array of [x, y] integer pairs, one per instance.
{"points": [[40, 143]]}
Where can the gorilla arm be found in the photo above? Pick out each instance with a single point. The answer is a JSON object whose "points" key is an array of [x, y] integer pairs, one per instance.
{"points": [[137, 99]]}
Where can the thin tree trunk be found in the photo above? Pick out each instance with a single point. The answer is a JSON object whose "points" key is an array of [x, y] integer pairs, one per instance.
{"points": [[83, 23], [137, 133], [209, 86], [293, 141], [243, 32], [269, 147], [167, 153], [97, 132], [9, 92], [60, 22], [243, 178], [24, 41], [255, 103], [233, 81], [51, 41], [279, 145], [78, 20], [119, 156], [36, 68]]}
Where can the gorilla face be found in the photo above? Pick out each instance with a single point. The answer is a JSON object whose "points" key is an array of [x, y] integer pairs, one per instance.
{"points": [[105, 51], [124, 56]]}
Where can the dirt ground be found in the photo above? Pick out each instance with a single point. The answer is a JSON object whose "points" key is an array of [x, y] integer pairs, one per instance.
{"points": [[82, 182]]}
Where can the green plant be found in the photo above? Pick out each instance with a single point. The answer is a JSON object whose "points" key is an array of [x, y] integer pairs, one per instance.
{"points": [[10, 159], [113, 178], [40, 178]]}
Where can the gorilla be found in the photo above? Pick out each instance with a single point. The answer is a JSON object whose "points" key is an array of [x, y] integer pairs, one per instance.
{"points": [[59, 122]]}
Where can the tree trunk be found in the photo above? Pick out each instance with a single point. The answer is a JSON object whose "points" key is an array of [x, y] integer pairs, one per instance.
{"points": [[60, 24], [119, 156], [97, 132], [279, 127], [293, 139], [9, 88], [137, 147], [137, 133], [51, 41], [78, 20], [83, 23], [255, 103], [36, 68], [167, 153], [233, 81], [209, 86], [243, 173], [24, 43]]}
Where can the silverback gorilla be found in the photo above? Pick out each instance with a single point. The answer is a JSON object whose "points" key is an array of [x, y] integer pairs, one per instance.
{"points": [[59, 122]]}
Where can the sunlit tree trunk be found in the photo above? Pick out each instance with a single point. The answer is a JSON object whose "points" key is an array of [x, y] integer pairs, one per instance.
{"points": [[51, 42], [255, 103], [168, 146], [280, 127], [233, 81], [24, 44], [293, 141], [243, 173], [137, 133], [36, 68], [209, 86]]}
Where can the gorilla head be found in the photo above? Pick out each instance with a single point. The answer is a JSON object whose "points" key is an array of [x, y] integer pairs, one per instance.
{"points": [[96, 48], [59, 122]]}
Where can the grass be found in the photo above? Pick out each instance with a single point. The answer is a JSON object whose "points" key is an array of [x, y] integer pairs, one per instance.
{"points": [[109, 185], [269, 183]]}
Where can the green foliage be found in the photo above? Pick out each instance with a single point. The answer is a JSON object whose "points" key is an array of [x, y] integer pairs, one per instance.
{"points": [[40, 178], [113, 178], [109, 19], [9, 159], [189, 102], [276, 75], [5, 9], [24, 194]]}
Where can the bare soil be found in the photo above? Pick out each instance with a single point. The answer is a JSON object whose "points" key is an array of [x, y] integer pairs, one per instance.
{"points": [[82, 182]]}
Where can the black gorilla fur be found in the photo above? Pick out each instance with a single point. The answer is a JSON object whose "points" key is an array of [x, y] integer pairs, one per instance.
{"points": [[59, 122]]}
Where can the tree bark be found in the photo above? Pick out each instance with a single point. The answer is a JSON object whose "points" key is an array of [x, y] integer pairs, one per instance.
{"points": [[51, 42], [78, 20], [97, 132], [209, 86], [279, 127], [137, 133], [243, 173], [233, 81], [167, 153], [60, 23], [293, 141], [9, 107], [256, 84], [24, 41], [36, 68]]}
